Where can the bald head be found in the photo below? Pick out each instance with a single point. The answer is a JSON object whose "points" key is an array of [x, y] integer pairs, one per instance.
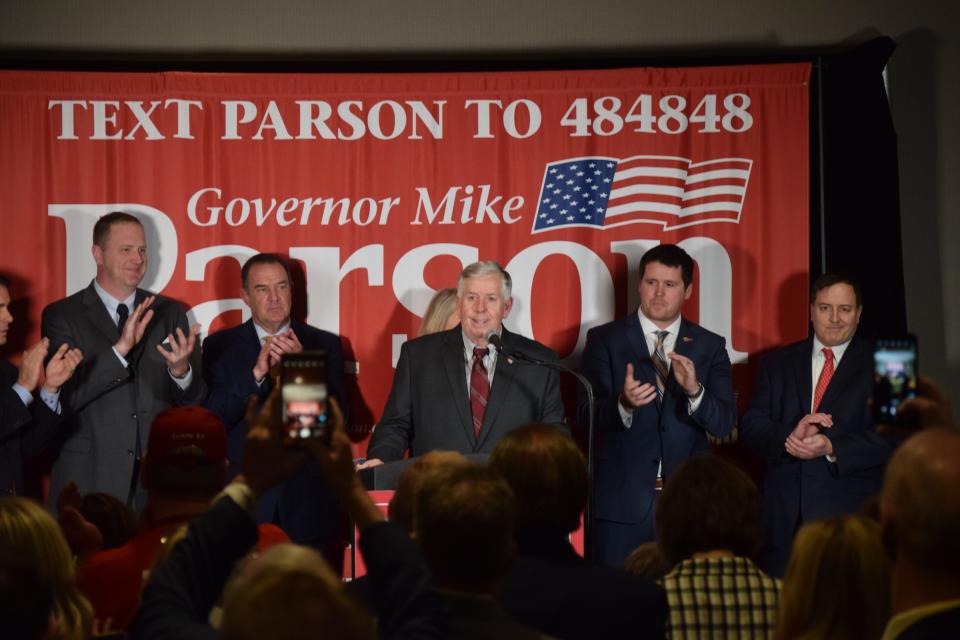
{"points": [[919, 505]]}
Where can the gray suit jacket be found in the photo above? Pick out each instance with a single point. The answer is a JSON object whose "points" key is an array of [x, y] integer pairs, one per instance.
{"points": [[109, 408], [429, 405]]}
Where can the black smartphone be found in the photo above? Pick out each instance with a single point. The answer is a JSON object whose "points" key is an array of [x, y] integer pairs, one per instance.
{"points": [[894, 376], [303, 392]]}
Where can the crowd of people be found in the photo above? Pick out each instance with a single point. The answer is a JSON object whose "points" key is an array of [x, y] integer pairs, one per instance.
{"points": [[178, 508]]}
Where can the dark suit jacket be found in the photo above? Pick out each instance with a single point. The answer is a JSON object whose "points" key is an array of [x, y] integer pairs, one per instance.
{"points": [[24, 431], [429, 404], [108, 407], [799, 490], [553, 589], [625, 468], [308, 513]]}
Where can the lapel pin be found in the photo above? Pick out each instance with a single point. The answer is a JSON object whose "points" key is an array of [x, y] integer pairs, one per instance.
{"points": [[687, 339]]}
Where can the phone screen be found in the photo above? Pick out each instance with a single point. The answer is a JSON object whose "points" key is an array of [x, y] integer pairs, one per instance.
{"points": [[894, 376], [303, 391]]}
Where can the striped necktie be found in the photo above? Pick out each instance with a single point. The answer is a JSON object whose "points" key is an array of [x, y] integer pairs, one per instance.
{"points": [[661, 365], [479, 390]]}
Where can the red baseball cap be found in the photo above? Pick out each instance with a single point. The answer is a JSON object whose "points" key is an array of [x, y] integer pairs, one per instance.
{"points": [[187, 437]]}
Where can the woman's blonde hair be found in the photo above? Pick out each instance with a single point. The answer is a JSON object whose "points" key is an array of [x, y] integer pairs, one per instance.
{"points": [[27, 530], [837, 583], [441, 307]]}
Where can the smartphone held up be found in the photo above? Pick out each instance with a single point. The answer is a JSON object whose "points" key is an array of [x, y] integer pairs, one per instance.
{"points": [[895, 373], [303, 393]]}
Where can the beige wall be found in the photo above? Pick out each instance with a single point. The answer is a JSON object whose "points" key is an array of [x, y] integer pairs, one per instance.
{"points": [[923, 75]]}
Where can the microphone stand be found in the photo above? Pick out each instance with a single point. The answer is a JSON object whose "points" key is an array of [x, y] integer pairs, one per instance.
{"points": [[497, 343]]}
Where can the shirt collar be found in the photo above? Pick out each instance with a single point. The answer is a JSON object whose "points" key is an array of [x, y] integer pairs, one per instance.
{"points": [[112, 303], [263, 333], [649, 327], [469, 345], [838, 350]]}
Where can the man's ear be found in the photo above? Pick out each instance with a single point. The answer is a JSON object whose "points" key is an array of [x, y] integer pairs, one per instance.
{"points": [[97, 252]]}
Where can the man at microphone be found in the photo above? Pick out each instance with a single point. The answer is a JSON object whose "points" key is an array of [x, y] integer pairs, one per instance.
{"points": [[465, 388]]}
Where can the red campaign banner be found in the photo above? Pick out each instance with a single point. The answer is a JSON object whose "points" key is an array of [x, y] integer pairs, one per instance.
{"points": [[381, 187]]}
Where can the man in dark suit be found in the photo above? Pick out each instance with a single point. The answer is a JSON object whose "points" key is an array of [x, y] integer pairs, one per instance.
{"points": [[809, 419], [661, 384], [26, 426], [549, 586], [237, 362], [139, 358], [452, 390]]}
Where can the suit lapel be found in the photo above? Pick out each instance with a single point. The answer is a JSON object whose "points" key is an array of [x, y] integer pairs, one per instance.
{"points": [[138, 349], [851, 365], [503, 377], [804, 373], [96, 314], [451, 352]]}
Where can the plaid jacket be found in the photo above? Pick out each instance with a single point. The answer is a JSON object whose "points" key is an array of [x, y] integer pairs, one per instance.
{"points": [[720, 598]]}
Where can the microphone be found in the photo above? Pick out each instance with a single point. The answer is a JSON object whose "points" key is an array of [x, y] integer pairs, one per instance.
{"points": [[494, 338]]}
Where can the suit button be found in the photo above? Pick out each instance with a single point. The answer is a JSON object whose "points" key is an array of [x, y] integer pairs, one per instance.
{"points": [[133, 416], [129, 452]]}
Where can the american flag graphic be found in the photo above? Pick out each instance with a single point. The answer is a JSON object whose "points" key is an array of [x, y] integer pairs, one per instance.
{"points": [[670, 191]]}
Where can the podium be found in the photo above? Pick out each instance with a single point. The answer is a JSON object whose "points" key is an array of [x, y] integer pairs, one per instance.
{"points": [[385, 476]]}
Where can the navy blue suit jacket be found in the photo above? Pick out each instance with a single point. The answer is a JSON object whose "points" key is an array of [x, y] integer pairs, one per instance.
{"points": [[625, 464], [796, 490], [24, 431], [308, 513]]}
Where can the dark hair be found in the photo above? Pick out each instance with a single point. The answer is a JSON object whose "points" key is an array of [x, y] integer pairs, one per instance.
{"points": [[548, 476], [708, 504], [464, 523], [672, 256], [115, 521], [101, 230], [829, 279], [4, 281], [402, 505], [263, 258]]}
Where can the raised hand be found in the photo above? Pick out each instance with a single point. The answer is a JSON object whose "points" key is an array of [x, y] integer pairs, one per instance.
{"points": [[32, 365], [635, 394], [181, 346], [685, 373], [266, 462], [61, 367], [265, 360], [135, 327]]}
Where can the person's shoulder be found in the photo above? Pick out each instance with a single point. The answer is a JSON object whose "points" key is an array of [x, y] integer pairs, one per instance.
{"points": [[433, 341], [529, 346], [161, 304], [309, 332], [699, 332], [616, 327], [67, 304], [225, 336]]}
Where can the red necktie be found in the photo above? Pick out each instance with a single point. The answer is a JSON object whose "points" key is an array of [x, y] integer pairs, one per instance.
{"points": [[825, 374], [479, 390]]}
